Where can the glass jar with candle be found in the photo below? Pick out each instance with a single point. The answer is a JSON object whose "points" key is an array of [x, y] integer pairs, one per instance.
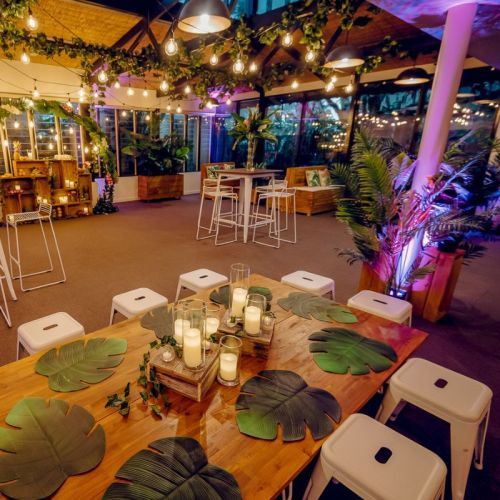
{"points": [[254, 310], [229, 360], [193, 337], [212, 321], [238, 289], [181, 321]]}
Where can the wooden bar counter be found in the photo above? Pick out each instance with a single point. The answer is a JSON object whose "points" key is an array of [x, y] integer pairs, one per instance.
{"points": [[262, 468]]}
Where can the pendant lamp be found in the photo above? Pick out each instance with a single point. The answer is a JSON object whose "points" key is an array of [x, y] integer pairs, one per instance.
{"points": [[345, 56], [204, 16], [412, 76]]}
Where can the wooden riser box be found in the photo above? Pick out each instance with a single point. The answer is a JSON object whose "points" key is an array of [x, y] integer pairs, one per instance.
{"points": [[156, 187]]}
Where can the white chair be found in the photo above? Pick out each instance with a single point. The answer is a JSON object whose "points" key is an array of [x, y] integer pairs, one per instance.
{"points": [[48, 331], [385, 306], [377, 463], [43, 214], [199, 280], [136, 302], [459, 400], [309, 282]]}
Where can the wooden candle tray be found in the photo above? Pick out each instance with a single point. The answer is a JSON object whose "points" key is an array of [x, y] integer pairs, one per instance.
{"points": [[192, 384]]}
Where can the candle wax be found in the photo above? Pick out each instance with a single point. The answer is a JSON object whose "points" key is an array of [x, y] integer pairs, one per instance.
{"points": [[211, 326], [179, 325], [228, 366], [239, 302], [191, 348], [252, 320]]}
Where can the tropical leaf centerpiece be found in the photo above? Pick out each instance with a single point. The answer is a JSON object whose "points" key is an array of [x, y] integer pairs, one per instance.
{"points": [[179, 470], [160, 320], [305, 305], [339, 350], [50, 442], [281, 397], [76, 365]]}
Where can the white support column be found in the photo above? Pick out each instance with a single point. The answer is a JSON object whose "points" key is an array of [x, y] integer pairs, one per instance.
{"points": [[452, 54]]}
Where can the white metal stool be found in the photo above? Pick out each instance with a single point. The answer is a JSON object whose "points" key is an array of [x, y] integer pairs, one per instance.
{"points": [[5, 275], [309, 282], [48, 331], [268, 217], [136, 302], [385, 306], [459, 400], [199, 280], [377, 463], [43, 214]]}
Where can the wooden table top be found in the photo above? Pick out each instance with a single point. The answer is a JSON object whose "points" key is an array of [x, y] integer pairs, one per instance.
{"points": [[244, 171], [262, 468]]}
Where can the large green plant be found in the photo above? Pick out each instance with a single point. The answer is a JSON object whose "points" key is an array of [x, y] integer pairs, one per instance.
{"points": [[253, 128]]}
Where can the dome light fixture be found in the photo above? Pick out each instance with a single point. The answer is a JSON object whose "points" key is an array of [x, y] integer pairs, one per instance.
{"points": [[102, 76], [25, 58], [287, 40], [31, 21], [171, 47], [345, 56], [214, 59], [412, 76], [238, 66], [204, 16], [164, 86]]}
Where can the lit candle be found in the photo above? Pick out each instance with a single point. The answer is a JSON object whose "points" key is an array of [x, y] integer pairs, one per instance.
{"points": [[179, 325], [228, 366], [252, 320], [191, 348], [211, 326], [239, 302], [17, 187]]}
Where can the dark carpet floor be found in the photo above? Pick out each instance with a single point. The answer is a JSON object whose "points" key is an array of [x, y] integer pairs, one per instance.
{"points": [[151, 244]]}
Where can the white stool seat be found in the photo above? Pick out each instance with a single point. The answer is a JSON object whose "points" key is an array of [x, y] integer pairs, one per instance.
{"points": [[459, 400], [376, 462], [48, 331], [309, 282], [199, 280], [378, 304], [136, 302]]}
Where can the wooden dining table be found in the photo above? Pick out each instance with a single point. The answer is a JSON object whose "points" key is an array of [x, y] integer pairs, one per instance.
{"points": [[261, 468]]}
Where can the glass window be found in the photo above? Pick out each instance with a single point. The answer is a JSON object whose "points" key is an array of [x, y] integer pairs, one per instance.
{"points": [[192, 142], [222, 142], [143, 122], [106, 119], [264, 6], [126, 127], [18, 132], [178, 125], [46, 137], [71, 140], [205, 138], [165, 124]]}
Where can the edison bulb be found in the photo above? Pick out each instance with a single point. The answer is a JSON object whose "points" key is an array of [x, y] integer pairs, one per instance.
{"points": [[171, 47], [36, 93], [329, 86], [238, 66], [187, 89], [124, 113], [31, 22], [287, 40], [210, 105], [70, 130], [169, 107], [81, 99], [164, 86], [148, 118], [25, 58], [145, 93], [295, 84], [252, 68], [16, 124], [102, 76], [81, 92], [310, 55], [96, 94], [333, 79], [117, 85], [228, 101], [214, 59], [178, 109], [130, 91], [349, 88]]}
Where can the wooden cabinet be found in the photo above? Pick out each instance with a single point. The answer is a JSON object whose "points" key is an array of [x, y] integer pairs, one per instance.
{"points": [[156, 187]]}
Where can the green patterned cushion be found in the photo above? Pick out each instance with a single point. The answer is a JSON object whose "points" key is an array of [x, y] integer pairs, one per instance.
{"points": [[312, 178], [228, 166], [325, 178], [211, 171]]}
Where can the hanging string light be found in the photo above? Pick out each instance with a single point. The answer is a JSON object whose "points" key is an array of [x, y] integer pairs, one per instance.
{"points": [[102, 76], [238, 66], [349, 88], [214, 59], [228, 101], [178, 109], [287, 40], [148, 117], [171, 47], [31, 21], [169, 107], [71, 130], [310, 56], [211, 103], [25, 58], [164, 86], [124, 113], [117, 84], [145, 92], [96, 94], [253, 67], [295, 84], [68, 102], [130, 90], [36, 92], [81, 92], [187, 89], [16, 123]]}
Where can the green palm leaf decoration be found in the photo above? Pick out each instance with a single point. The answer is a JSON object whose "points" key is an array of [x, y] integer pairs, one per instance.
{"points": [[76, 365], [160, 320], [179, 471], [48, 445], [339, 350], [221, 295], [305, 305], [281, 397]]}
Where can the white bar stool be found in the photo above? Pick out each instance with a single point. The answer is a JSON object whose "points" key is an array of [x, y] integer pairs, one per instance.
{"points": [[385, 306], [199, 280], [48, 331], [377, 463], [459, 400], [268, 217], [42, 215], [136, 302], [309, 282], [5, 275]]}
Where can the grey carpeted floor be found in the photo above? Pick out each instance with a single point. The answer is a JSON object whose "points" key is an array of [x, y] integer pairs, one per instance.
{"points": [[151, 244]]}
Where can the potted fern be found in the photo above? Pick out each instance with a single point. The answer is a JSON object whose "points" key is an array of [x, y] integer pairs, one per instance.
{"points": [[385, 217], [252, 129]]}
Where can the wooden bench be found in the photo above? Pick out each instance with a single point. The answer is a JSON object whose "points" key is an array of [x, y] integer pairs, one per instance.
{"points": [[311, 200], [204, 173]]}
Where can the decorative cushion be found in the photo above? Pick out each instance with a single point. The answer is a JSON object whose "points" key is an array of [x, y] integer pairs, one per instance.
{"points": [[211, 171], [312, 178], [228, 166], [325, 178]]}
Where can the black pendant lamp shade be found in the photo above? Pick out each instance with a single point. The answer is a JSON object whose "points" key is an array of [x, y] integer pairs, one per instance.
{"points": [[204, 16], [412, 76], [345, 56]]}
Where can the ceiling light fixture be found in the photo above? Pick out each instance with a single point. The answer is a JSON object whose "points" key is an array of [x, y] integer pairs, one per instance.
{"points": [[31, 21], [169, 107], [187, 89], [287, 40], [310, 56], [145, 93], [204, 16], [214, 59], [130, 90], [81, 91], [171, 47], [412, 76], [211, 103], [345, 56], [238, 66], [16, 123], [228, 101]]}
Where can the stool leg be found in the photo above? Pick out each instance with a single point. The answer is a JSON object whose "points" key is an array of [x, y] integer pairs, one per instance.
{"points": [[179, 287], [58, 252], [6, 270], [481, 438], [51, 265], [463, 439], [5, 309], [17, 348], [320, 478], [389, 404], [111, 316]]}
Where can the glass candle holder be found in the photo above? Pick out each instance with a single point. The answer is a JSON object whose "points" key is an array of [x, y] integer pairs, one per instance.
{"points": [[238, 289], [229, 360], [254, 310], [212, 321], [268, 321], [193, 337], [181, 321]]}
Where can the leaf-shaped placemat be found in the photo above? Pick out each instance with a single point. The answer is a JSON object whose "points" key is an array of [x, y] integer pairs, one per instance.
{"points": [[160, 320], [180, 470], [306, 305], [49, 445], [282, 397], [221, 295], [78, 364], [339, 350]]}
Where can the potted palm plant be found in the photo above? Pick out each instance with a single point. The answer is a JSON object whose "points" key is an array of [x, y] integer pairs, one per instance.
{"points": [[160, 163], [252, 129]]}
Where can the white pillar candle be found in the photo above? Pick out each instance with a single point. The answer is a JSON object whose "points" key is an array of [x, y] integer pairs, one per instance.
{"points": [[239, 301], [228, 366], [179, 325], [211, 326], [252, 320], [191, 348], [17, 187]]}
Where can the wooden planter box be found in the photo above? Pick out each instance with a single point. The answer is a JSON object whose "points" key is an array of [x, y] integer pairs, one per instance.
{"points": [[156, 187]]}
